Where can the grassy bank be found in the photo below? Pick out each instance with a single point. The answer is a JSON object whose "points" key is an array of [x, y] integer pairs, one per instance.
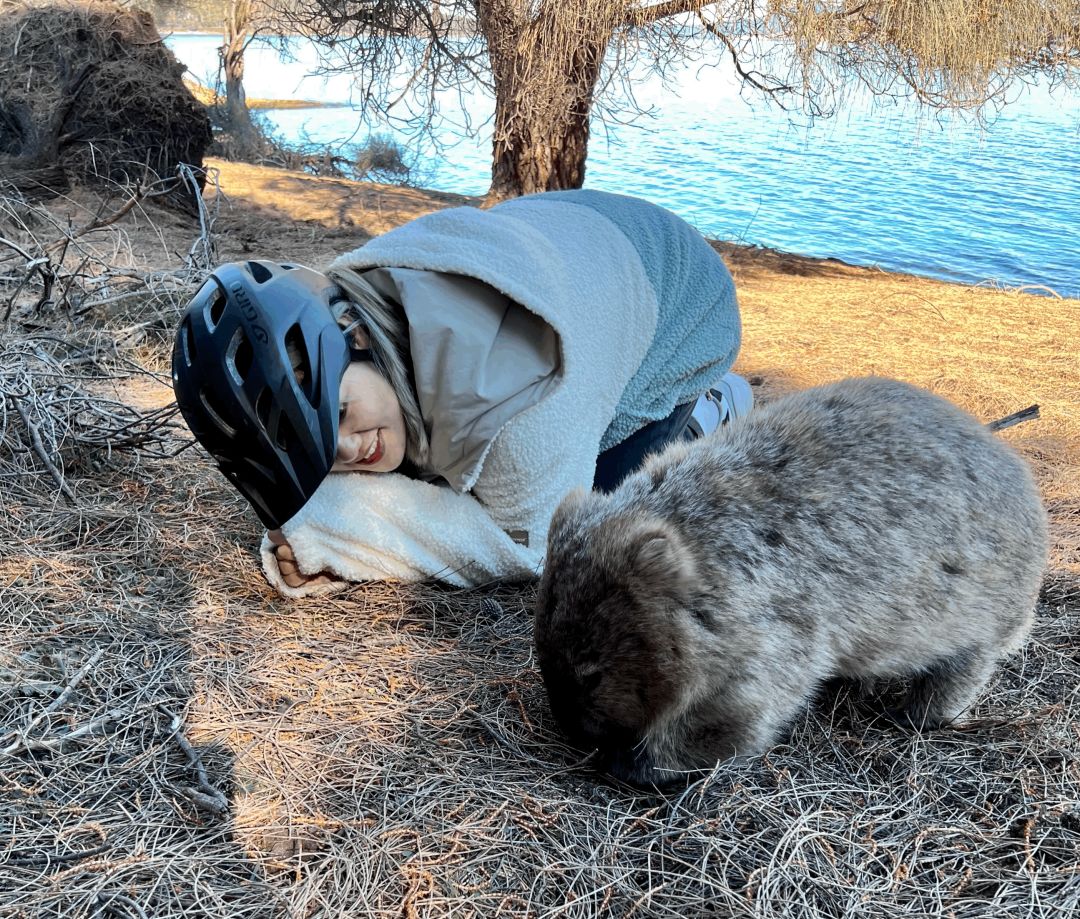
{"points": [[177, 740]]}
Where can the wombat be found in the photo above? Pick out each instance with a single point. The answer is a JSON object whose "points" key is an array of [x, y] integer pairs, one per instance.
{"points": [[863, 529]]}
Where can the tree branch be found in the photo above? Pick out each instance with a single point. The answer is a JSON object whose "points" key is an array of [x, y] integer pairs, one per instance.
{"points": [[42, 454], [96, 224], [744, 75], [1025, 414], [643, 16]]}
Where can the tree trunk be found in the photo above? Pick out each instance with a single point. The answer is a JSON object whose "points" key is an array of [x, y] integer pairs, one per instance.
{"points": [[533, 153], [542, 100], [237, 114]]}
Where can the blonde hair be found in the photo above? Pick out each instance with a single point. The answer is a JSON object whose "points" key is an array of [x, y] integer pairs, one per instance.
{"points": [[388, 341]]}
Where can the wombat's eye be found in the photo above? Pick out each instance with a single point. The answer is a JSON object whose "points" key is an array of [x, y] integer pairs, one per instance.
{"points": [[589, 681]]}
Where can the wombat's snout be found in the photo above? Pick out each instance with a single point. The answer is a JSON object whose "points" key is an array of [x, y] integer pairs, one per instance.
{"points": [[577, 714], [618, 751], [634, 766], [615, 734]]}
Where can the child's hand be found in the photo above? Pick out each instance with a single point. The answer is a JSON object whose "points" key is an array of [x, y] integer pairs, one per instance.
{"points": [[287, 564]]}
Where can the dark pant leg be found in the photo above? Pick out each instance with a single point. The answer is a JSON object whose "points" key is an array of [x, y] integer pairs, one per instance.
{"points": [[616, 463]]}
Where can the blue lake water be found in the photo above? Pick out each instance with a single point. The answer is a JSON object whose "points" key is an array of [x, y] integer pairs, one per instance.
{"points": [[879, 184]]}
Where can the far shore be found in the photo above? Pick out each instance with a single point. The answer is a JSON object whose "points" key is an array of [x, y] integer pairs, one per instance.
{"points": [[207, 96]]}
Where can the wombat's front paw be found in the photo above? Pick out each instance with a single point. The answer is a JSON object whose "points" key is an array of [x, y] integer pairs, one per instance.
{"points": [[902, 718], [914, 720]]}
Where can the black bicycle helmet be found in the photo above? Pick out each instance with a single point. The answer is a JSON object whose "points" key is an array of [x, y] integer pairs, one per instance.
{"points": [[271, 429]]}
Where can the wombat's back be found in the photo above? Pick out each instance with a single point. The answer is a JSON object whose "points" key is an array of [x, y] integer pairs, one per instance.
{"points": [[869, 505]]}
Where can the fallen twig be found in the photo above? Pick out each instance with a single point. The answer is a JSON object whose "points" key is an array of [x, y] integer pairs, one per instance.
{"points": [[39, 450], [92, 727], [1027, 414], [71, 686], [207, 796], [45, 859]]}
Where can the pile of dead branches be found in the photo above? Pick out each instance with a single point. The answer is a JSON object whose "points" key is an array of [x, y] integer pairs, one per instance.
{"points": [[56, 417], [78, 299], [88, 91], [53, 264]]}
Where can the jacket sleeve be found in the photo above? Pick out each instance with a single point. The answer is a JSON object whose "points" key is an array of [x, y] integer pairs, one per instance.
{"points": [[368, 527]]}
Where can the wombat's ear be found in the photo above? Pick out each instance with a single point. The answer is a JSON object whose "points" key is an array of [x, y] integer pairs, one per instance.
{"points": [[658, 556], [567, 509], [572, 500]]}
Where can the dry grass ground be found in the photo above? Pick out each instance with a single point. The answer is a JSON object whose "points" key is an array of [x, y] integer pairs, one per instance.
{"points": [[177, 740]]}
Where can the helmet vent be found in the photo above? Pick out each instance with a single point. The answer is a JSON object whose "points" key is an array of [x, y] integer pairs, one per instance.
{"points": [[284, 435], [187, 343], [263, 404], [296, 348], [259, 272], [217, 309], [288, 267], [239, 357], [213, 409]]}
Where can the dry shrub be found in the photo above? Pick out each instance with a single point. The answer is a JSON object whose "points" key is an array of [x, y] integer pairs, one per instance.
{"points": [[88, 91], [948, 53], [52, 422], [89, 256], [381, 159]]}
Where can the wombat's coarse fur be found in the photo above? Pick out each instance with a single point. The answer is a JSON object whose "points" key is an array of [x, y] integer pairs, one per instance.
{"points": [[863, 529]]}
